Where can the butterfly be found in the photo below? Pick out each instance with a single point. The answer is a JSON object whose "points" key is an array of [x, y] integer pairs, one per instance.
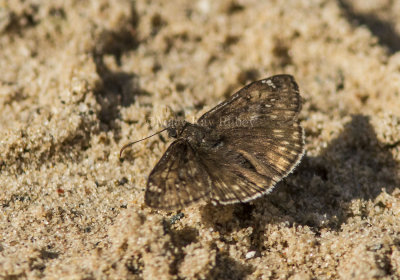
{"points": [[235, 152]]}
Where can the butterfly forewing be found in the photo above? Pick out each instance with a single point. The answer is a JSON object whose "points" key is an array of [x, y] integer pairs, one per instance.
{"points": [[177, 179], [272, 100]]}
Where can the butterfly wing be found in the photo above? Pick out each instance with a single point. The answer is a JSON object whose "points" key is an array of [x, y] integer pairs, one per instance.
{"points": [[261, 140], [247, 163], [275, 99], [177, 179]]}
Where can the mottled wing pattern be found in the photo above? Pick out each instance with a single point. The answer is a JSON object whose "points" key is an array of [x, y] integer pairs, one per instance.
{"points": [[275, 99], [238, 151], [249, 162], [262, 140], [177, 179]]}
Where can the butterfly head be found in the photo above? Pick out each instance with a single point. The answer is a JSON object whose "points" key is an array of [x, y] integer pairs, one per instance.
{"points": [[175, 128]]}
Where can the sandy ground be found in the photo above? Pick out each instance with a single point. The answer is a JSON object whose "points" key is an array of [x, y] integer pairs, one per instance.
{"points": [[81, 78]]}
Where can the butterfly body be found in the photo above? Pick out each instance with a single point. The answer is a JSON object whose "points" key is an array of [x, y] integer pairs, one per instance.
{"points": [[236, 152]]}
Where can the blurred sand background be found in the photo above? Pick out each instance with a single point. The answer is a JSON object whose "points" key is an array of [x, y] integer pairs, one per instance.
{"points": [[81, 78]]}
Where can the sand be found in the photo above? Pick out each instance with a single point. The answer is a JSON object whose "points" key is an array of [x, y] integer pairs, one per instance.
{"points": [[79, 79]]}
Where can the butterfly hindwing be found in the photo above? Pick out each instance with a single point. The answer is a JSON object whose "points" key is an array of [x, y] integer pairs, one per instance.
{"points": [[249, 162]]}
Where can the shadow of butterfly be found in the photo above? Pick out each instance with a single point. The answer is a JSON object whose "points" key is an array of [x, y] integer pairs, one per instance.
{"points": [[235, 152]]}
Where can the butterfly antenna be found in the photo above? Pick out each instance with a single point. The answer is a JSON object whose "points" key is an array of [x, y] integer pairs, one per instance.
{"points": [[131, 143]]}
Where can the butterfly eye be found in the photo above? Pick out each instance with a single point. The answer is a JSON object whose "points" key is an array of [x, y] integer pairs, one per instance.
{"points": [[172, 132]]}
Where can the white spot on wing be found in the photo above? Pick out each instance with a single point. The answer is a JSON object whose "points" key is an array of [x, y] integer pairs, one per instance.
{"points": [[270, 83]]}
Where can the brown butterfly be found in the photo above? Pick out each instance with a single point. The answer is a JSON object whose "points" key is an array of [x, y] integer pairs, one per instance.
{"points": [[235, 152]]}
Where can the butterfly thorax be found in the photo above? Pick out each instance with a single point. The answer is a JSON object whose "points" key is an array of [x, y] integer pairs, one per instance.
{"points": [[196, 135]]}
